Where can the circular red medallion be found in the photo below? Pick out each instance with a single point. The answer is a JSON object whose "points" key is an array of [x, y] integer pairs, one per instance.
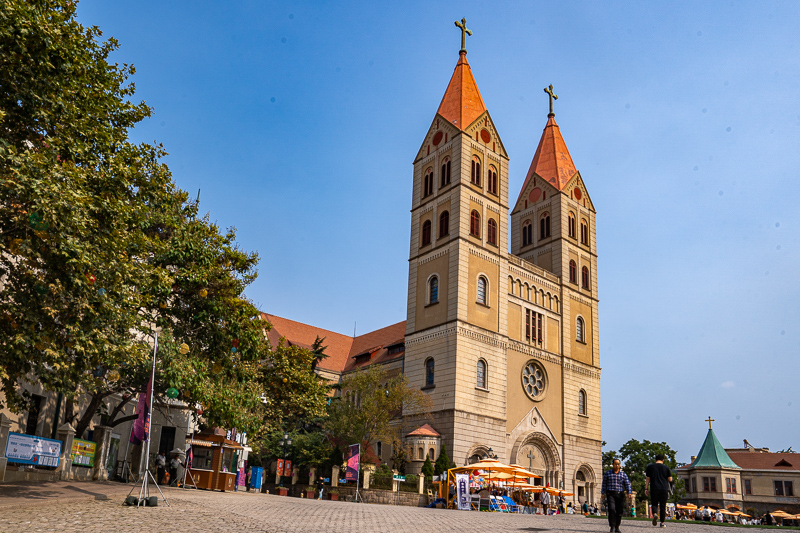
{"points": [[535, 195], [485, 135], [577, 193], [437, 138]]}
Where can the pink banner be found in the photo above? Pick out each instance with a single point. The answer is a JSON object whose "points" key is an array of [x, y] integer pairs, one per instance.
{"points": [[141, 426], [352, 463]]}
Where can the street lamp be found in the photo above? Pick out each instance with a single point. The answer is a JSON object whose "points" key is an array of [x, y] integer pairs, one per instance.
{"points": [[491, 454], [285, 442]]}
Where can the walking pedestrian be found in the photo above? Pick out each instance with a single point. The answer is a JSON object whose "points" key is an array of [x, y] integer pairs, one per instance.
{"points": [[320, 486], [161, 464], [657, 480], [545, 501], [615, 485]]}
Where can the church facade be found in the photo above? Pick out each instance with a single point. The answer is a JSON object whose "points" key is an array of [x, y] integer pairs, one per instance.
{"points": [[502, 320]]}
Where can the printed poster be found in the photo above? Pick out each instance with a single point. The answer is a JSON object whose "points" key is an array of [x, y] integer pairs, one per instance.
{"points": [[462, 491], [83, 452], [280, 467], [32, 450], [352, 463]]}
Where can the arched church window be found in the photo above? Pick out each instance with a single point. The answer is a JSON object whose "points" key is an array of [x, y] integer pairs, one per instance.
{"points": [[429, 372], [444, 224], [475, 177], [579, 476], [482, 286], [433, 290], [492, 179], [544, 226], [581, 408], [527, 233], [475, 224], [571, 224], [584, 232], [428, 183], [573, 271], [585, 277], [491, 234], [432, 454], [426, 233], [421, 453], [445, 177], [481, 381], [579, 327]]}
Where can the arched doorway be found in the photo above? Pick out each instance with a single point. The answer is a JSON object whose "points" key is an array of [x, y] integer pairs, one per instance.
{"points": [[583, 484], [476, 453], [539, 454]]}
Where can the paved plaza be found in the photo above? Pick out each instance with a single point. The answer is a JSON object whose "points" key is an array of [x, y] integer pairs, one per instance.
{"points": [[80, 507]]}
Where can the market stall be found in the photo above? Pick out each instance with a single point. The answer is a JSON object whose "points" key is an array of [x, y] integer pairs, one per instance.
{"points": [[213, 460]]}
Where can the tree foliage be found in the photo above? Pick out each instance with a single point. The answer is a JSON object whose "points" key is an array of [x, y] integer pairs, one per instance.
{"points": [[371, 405], [428, 468], [99, 249], [636, 455], [442, 462]]}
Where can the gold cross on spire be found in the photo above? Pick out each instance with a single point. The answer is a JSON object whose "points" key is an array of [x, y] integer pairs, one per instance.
{"points": [[464, 32], [709, 420], [552, 97]]}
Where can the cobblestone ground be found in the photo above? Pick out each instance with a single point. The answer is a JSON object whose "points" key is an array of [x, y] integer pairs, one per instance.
{"points": [[202, 511]]}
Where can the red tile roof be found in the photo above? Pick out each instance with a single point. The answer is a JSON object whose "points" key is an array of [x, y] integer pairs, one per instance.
{"points": [[299, 334], [551, 161], [766, 460], [341, 349], [377, 343], [462, 102], [424, 430]]}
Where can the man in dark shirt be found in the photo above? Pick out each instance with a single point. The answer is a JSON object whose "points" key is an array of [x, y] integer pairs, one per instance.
{"points": [[657, 484], [615, 485]]}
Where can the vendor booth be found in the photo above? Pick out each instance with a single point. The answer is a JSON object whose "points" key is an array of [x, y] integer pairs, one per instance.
{"points": [[213, 460]]}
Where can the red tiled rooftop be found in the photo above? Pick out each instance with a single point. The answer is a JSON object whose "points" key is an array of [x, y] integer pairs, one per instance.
{"points": [[424, 430], [462, 102], [766, 460], [341, 349]]}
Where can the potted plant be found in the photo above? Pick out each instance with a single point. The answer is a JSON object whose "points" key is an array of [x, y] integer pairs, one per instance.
{"points": [[334, 494], [310, 492], [281, 491]]}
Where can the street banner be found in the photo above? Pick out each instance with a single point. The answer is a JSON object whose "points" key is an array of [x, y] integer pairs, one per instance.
{"points": [[141, 426], [352, 463], [83, 452], [31, 450], [280, 467], [287, 468], [462, 491]]}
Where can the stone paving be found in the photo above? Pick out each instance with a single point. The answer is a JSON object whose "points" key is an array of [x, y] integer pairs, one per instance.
{"points": [[203, 511]]}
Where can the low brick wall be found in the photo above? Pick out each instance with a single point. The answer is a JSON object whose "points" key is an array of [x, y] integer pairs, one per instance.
{"points": [[385, 497]]}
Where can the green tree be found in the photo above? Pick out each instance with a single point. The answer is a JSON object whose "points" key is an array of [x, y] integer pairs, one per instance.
{"points": [[608, 458], [98, 247], [635, 456], [319, 351], [371, 405], [442, 463], [400, 455], [427, 467]]}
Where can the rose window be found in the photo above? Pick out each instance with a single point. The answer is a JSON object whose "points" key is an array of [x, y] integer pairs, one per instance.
{"points": [[534, 380]]}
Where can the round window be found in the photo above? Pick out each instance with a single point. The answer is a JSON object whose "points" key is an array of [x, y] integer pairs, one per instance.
{"points": [[534, 380]]}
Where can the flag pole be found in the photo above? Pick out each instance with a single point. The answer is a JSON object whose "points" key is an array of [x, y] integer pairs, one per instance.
{"points": [[144, 491]]}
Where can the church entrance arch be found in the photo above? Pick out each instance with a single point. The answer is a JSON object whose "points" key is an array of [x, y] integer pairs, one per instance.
{"points": [[583, 484], [477, 453], [539, 454]]}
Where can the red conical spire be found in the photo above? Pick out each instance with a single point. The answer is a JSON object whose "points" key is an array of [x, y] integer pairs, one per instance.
{"points": [[462, 102], [551, 161]]}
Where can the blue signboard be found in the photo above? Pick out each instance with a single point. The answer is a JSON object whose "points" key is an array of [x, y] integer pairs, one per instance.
{"points": [[32, 450], [255, 478]]}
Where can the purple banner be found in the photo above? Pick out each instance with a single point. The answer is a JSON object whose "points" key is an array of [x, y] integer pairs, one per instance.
{"points": [[141, 426], [352, 463]]}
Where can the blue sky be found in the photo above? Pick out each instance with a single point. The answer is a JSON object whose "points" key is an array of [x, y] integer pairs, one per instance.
{"points": [[300, 120]]}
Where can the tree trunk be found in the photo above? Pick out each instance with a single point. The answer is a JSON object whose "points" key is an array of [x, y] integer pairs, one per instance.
{"points": [[89, 413]]}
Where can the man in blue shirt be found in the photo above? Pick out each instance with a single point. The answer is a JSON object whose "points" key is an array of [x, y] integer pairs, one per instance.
{"points": [[615, 484]]}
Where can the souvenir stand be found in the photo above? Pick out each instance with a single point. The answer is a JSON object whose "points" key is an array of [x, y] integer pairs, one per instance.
{"points": [[214, 460]]}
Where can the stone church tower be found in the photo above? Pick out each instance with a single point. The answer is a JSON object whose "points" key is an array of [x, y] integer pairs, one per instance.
{"points": [[506, 344]]}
